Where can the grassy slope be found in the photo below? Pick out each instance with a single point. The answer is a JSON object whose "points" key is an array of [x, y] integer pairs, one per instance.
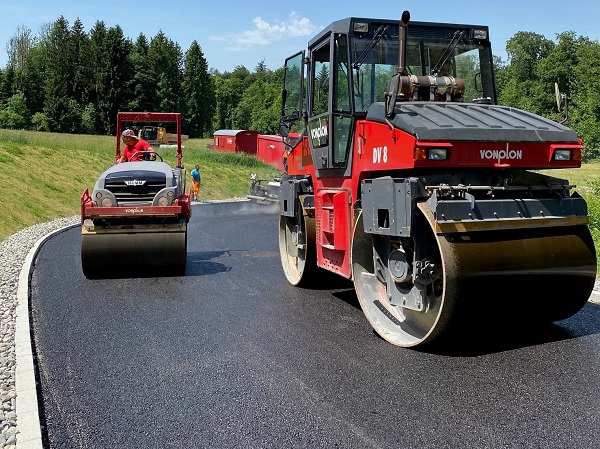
{"points": [[42, 175]]}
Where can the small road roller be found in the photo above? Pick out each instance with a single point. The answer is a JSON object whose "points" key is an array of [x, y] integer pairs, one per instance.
{"points": [[410, 180], [134, 223]]}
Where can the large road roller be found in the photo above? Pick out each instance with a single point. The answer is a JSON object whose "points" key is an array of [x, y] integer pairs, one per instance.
{"points": [[410, 180], [134, 223]]}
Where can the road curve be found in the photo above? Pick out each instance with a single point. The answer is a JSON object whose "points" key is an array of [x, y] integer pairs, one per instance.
{"points": [[231, 356]]}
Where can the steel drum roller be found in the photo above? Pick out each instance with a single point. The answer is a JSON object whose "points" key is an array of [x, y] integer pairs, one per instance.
{"points": [[297, 248], [530, 275], [133, 254]]}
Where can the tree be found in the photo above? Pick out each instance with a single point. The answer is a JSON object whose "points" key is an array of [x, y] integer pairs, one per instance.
{"points": [[321, 93], [260, 107], [34, 78], [16, 115], [223, 117], [229, 88], [522, 90], [82, 69], [18, 48], [112, 71], [98, 106], [261, 67], [6, 85], [198, 93], [118, 49], [584, 115], [18, 106], [59, 78], [466, 68], [142, 83], [166, 61]]}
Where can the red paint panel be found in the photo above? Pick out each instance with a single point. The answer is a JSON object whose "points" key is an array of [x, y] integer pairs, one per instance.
{"points": [[271, 150], [236, 141], [332, 226]]}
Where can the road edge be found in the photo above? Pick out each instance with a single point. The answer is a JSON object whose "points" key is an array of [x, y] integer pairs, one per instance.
{"points": [[26, 403]]}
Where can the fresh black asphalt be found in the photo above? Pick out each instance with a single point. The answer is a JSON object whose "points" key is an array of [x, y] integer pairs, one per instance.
{"points": [[232, 356]]}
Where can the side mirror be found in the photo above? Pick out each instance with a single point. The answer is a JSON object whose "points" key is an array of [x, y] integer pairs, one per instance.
{"points": [[284, 129], [561, 103], [478, 86]]}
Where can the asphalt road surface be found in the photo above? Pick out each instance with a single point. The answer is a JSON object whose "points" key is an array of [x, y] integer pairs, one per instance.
{"points": [[232, 356]]}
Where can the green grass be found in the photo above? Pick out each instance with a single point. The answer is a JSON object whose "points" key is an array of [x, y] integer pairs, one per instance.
{"points": [[42, 175]]}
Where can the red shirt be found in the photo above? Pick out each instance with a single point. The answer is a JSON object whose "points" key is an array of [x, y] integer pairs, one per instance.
{"points": [[130, 150]]}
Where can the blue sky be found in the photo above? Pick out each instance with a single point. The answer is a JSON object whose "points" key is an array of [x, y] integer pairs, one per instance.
{"points": [[244, 32]]}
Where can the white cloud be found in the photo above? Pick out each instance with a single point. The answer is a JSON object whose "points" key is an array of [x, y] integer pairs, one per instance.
{"points": [[265, 33]]}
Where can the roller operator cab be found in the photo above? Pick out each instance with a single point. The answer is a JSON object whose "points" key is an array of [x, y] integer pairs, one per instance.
{"points": [[410, 180]]}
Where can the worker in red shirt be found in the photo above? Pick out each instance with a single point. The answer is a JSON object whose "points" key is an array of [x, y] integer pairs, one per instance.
{"points": [[132, 145]]}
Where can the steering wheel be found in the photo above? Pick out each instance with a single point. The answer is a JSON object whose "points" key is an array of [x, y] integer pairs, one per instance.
{"points": [[145, 156]]}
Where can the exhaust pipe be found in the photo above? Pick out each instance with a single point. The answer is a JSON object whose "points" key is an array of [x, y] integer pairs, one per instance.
{"points": [[402, 42], [392, 95]]}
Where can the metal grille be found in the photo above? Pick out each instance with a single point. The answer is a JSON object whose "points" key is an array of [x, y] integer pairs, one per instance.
{"points": [[318, 227], [135, 194]]}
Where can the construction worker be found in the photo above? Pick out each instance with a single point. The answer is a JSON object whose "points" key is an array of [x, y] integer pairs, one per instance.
{"points": [[132, 145], [195, 173]]}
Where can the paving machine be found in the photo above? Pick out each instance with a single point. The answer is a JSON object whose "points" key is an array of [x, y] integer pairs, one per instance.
{"points": [[135, 221], [412, 182], [158, 135], [263, 191]]}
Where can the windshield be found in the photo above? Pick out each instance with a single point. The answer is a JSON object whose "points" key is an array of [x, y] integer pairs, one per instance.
{"points": [[431, 50]]}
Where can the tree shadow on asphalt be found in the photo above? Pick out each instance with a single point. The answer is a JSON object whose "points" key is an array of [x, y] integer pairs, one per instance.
{"points": [[200, 263]]}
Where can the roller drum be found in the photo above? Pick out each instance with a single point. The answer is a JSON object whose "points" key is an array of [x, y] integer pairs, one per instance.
{"points": [[140, 254], [525, 275], [478, 280], [297, 248]]}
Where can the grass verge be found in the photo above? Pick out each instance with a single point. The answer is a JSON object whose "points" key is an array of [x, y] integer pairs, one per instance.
{"points": [[42, 175]]}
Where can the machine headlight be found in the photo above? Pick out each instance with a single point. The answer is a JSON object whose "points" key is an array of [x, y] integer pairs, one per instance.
{"points": [[562, 155], [431, 154], [106, 202], [437, 154], [163, 201], [361, 27], [480, 34]]}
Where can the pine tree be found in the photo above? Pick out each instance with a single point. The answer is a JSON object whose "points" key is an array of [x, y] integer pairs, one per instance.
{"points": [[58, 103], [166, 58], [198, 93], [142, 84]]}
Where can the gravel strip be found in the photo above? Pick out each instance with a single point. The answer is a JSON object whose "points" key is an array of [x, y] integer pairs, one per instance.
{"points": [[13, 252]]}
